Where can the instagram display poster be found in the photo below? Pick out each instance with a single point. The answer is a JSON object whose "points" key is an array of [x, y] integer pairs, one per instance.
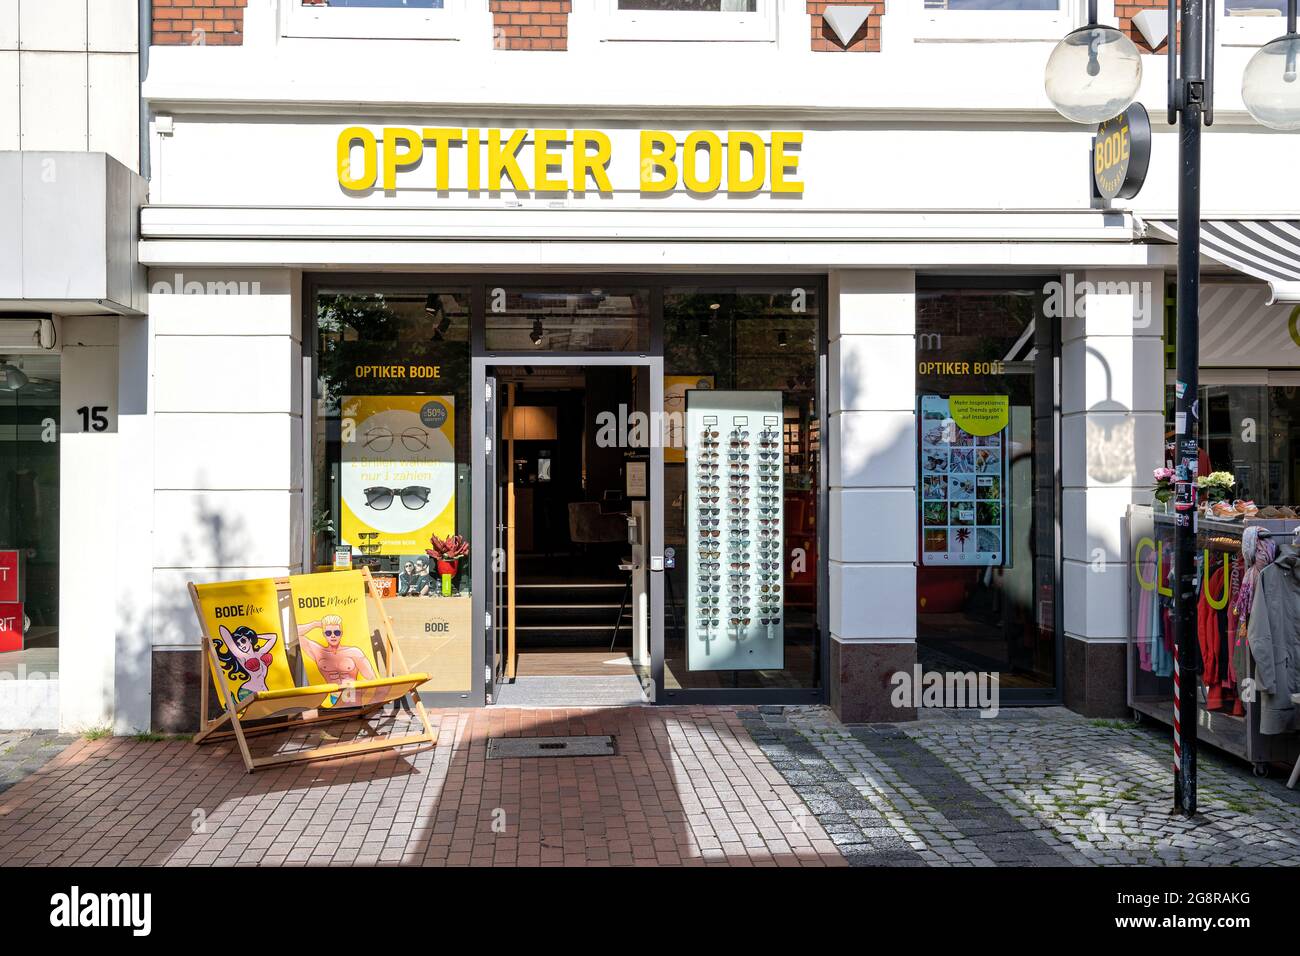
{"points": [[242, 619], [329, 610], [963, 479], [398, 472]]}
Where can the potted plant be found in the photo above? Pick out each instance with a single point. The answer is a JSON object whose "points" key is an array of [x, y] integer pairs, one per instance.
{"points": [[447, 552], [1216, 486], [1164, 490]]}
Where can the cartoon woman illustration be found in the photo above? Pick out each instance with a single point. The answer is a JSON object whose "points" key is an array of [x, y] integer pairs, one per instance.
{"points": [[337, 662], [245, 654]]}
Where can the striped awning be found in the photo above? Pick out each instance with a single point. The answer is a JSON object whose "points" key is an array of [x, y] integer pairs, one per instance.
{"points": [[1267, 249]]}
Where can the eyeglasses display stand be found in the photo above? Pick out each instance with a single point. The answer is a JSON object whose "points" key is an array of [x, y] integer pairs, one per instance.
{"points": [[735, 492]]}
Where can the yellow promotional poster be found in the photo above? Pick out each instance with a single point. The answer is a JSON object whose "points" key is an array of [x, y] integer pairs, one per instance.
{"points": [[675, 389], [329, 609], [242, 619], [980, 415], [398, 472]]}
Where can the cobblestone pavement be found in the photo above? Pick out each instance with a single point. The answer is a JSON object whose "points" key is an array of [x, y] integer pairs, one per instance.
{"points": [[1031, 787], [22, 752], [688, 786]]}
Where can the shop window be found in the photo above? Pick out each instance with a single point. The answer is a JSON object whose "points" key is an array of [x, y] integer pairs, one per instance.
{"points": [[541, 319], [690, 20], [30, 387], [742, 480], [1247, 429], [986, 495], [996, 19], [391, 463], [373, 19]]}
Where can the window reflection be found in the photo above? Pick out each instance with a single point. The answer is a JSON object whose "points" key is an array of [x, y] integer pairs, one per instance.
{"points": [[747, 338]]}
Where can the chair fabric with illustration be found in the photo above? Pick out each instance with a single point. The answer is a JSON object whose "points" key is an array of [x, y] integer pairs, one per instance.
{"points": [[249, 668]]}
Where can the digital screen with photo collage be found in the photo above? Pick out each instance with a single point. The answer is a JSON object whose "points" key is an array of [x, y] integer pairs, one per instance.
{"points": [[961, 489]]}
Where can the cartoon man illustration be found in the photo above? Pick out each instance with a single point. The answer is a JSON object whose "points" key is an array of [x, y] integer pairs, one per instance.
{"points": [[337, 662]]}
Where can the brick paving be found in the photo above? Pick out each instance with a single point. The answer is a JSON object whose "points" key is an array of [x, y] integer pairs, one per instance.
{"points": [[766, 786], [688, 786]]}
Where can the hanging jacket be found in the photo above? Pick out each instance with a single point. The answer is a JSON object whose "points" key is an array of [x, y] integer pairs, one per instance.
{"points": [[1274, 636], [1209, 636]]}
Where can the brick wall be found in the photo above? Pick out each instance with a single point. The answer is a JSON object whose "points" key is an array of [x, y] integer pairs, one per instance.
{"points": [[1125, 10], [866, 40], [530, 24], [211, 22]]}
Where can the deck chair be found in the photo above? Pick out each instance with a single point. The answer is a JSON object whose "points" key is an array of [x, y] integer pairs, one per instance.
{"points": [[248, 665]]}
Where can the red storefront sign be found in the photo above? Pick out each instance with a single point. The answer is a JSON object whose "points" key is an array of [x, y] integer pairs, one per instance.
{"points": [[9, 592], [11, 627]]}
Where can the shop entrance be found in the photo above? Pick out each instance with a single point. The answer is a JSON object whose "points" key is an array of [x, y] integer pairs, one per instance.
{"points": [[570, 506]]}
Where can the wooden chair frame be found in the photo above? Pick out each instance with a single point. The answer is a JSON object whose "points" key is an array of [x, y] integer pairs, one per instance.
{"points": [[211, 729]]}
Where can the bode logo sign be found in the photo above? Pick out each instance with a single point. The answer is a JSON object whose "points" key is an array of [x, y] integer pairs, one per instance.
{"points": [[703, 162]]}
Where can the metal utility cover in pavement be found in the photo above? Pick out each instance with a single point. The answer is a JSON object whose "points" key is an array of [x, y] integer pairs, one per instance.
{"points": [[501, 747]]}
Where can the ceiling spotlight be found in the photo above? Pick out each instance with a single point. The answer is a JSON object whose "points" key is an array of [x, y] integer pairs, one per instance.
{"points": [[431, 303], [714, 306], [537, 334], [782, 340], [12, 378]]}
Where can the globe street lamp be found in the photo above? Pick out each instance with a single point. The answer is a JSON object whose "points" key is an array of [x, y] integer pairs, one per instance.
{"points": [[1269, 86], [1094, 73]]}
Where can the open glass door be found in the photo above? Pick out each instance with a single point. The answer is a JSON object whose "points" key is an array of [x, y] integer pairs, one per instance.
{"points": [[496, 533]]}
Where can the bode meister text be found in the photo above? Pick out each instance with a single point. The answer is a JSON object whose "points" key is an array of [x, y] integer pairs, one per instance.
{"points": [[737, 161]]}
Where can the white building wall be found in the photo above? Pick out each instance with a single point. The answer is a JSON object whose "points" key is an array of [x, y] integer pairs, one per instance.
{"points": [[227, 476], [70, 77]]}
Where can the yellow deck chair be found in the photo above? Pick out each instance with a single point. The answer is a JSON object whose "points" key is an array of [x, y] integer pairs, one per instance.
{"points": [[245, 657]]}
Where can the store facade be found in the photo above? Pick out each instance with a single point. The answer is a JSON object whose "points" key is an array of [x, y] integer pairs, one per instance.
{"points": [[511, 316]]}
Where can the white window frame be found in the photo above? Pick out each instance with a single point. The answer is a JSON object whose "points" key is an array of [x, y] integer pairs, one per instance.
{"points": [[373, 23], [1246, 31], [687, 25], [996, 25]]}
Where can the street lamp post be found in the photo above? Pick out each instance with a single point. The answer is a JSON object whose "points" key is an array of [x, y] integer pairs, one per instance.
{"points": [[1093, 75], [1191, 93]]}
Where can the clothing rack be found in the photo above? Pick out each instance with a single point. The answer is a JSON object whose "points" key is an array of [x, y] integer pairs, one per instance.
{"points": [[1150, 694]]}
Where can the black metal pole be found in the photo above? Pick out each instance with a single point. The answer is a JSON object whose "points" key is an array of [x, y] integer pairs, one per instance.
{"points": [[1191, 92]]}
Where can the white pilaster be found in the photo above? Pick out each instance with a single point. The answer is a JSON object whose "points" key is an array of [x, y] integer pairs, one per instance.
{"points": [[1112, 436], [872, 456]]}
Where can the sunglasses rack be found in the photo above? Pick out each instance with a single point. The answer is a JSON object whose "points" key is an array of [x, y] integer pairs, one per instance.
{"points": [[735, 530]]}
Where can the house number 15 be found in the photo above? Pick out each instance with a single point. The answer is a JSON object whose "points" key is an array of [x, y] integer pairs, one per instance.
{"points": [[94, 418]]}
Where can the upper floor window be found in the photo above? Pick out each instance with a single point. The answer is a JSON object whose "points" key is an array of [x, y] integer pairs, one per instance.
{"points": [[688, 19], [1254, 8], [996, 19], [992, 4], [1251, 22], [715, 6], [372, 19]]}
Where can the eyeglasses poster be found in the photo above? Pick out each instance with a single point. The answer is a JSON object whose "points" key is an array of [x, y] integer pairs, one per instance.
{"points": [[963, 479], [735, 479], [397, 482]]}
